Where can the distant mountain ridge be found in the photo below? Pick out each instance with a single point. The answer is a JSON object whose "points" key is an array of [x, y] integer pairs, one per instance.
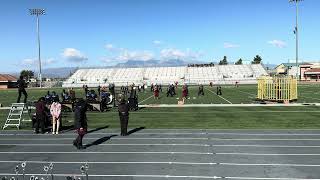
{"points": [[155, 63], [65, 72]]}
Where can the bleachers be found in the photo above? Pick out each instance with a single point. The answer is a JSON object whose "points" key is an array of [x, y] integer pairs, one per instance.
{"points": [[165, 75], [219, 74]]}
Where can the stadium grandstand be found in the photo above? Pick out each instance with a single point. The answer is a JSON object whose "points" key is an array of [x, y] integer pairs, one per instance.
{"points": [[218, 74]]}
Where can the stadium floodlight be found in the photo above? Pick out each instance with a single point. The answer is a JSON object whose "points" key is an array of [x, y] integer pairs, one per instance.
{"points": [[37, 13], [296, 32]]}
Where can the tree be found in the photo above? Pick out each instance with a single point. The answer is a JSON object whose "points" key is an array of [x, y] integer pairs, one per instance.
{"points": [[256, 60], [223, 61], [27, 74], [239, 62]]}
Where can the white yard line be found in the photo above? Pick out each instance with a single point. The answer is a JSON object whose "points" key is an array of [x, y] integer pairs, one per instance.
{"points": [[247, 93], [231, 105], [145, 99], [219, 96]]}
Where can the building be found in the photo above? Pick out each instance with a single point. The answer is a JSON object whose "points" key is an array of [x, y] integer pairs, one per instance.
{"points": [[310, 71], [306, 71], [7, 81], [287, 69]]}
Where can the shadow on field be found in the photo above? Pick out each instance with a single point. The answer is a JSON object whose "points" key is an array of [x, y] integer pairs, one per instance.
{"points": [[99, 141], [97, 129], [135, 130]]}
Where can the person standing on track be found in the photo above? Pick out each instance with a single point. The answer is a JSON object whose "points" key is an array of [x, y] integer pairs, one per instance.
{"points": [[40, 115], [123, 109], [55, 110], [80, 122], [21, 89]]}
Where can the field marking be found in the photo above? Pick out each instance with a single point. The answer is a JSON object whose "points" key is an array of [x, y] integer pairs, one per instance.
{"points": [[197, 145], [95, 152], [173, 133], [210, 139], [219, 96], [116, 162], [231, 105], [158, 176], [146, 152], [219, 105], [174, 163], [146, 99], [194, 145], [58, 139], [265, 154], [254, 95]]}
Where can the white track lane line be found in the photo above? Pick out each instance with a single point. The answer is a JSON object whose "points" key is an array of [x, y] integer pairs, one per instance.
{"points": [[176, 163], [266, 154], [91, 152], [88, 138], [209, 139], [219, 96], [159, 176], [186, 153], [194, 145]]}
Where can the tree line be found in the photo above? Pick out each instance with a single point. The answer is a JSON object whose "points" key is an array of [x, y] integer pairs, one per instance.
{"points": [[256, 60]]}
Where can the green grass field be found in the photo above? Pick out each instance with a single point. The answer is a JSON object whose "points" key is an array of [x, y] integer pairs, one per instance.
{"points": [[305, 117]]}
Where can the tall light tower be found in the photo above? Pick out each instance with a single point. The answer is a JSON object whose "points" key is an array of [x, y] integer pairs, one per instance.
{"points": [[296, 32], [37, 13]]}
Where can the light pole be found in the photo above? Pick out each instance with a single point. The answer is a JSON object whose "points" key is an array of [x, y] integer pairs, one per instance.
{"points": [[38, 12], [296, 32]]}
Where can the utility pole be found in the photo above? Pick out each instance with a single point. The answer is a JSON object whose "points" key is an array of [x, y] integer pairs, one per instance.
{"points": [[37, 13], [296, 32]]}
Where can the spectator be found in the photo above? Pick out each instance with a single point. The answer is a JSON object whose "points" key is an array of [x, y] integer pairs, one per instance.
{"points": [[55, 110], [21, 89], [40, 115]]}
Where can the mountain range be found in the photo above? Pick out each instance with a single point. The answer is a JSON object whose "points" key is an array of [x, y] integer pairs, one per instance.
{"points": [[65, 72]]}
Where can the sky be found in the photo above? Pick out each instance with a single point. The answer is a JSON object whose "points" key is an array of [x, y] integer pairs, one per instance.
{"points": [[86, 33]]}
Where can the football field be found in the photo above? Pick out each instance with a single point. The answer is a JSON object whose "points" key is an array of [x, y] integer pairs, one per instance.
{"points": [[237, 108]]}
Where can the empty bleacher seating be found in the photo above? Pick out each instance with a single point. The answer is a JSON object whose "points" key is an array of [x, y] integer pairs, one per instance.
{"points": [[218, 74]]}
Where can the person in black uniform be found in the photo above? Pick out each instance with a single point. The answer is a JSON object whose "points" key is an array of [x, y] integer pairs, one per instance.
{"points": [[123, 109], [99, 90], [219, 91], [55, 97], [48, 98], [201, 92], [21, 89], [80, 122], [40, 115]]}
